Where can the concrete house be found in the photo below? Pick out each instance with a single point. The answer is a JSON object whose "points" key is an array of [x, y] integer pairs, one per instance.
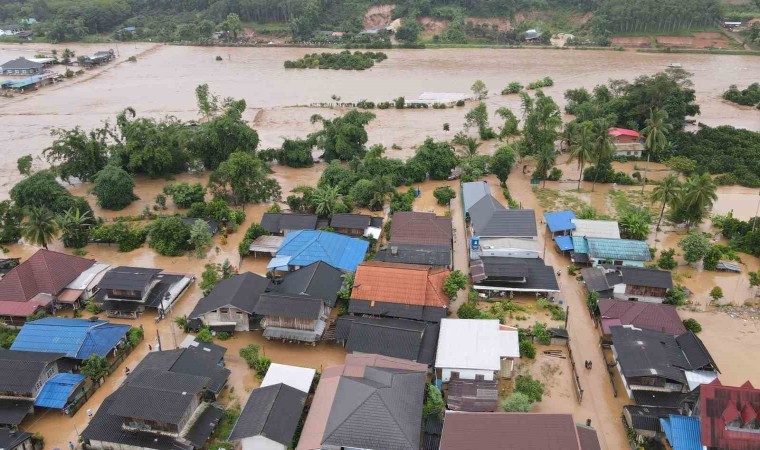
{"points": [[616, 252], [495, 275], [474, 347], [627, 142], [281, 224], [22, 66], [22, 377], [635, 284], [419, 238], [126, 292], [231, 305]]}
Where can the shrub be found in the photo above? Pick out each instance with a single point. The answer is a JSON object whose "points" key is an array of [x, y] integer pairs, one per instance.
{"points": [[95, 367], [254, 230], [527, 349], [169, 236], [256, 362], [692, 325], [541, 333], [454, 282], [542, 302], [532, 388], [126, 236], [512, 88], [114, 188], [667, 260], [185, 194], [222, 335], [517, 402], [675, 296], [716, 293], [433, 406], [135, 336], [93, 308], [557, 312], [444, 195], [555, 174], [468, 310], [205, 335]]}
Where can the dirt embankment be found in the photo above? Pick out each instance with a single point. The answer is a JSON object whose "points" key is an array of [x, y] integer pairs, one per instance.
{"points": [[378, 15], [432, 25], [698, 40]]}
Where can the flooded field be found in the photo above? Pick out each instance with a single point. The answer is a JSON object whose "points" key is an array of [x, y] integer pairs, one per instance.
{"points": [[162, 82]]}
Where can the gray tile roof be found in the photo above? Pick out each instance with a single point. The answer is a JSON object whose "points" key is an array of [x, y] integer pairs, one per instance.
{"points": [[473, 192], [538, 276], [428, 255], [648, 417], [283, 305], [273, 412], [640, 276], [381, 410], [398, 338], [279, 222], [491, 219], [189, 361], [241, 291], [348, 220], [695, 351], [318, 279], [20, 370], [11, 438], [403, 311], [21, 63], [13, 410], [127, 278]]}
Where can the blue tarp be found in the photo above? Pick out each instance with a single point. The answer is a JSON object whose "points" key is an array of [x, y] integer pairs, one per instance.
{"points": [[279, 263], [57, 390], [77, 338], [564, 243], [682, 432], [560, 221], [309, 246]]}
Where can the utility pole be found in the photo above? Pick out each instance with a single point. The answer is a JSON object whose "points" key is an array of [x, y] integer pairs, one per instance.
{"points": [[757, 210], [158, 337]]}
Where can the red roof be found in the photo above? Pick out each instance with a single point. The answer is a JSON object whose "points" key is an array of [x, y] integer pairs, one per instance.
{"points": [[19, 309], [420, 228], [46, 272], [652, 316], [400, 283], [721, 404], [617, 132]]}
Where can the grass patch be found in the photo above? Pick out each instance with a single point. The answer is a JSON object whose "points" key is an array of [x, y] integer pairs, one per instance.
{"points": [[553, 200], [624, 201], [219, 437]]}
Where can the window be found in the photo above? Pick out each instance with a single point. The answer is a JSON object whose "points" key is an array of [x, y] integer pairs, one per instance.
{"points": [[224, 310], [628, 153]]}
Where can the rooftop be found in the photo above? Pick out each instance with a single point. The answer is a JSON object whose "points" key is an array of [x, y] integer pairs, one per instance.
{"points": [[723, 405], [490, 218], [241, 291], [518, 274], [352, 221], [201, 361], [612, 249], [296, 377], [472, 395], [319, 279], [398, 338], [596, 228], [271, 411], [516, 431], [617, 132], [45, 272], [128, 278], [20, 370], [57, 390], [475, 344], [560, 221], [279, 222], [305, 247], [420, 228], [412, 285], [653, 316], [682, 432], [472, 192], [431, 255], [21, 63], [76, 338]]}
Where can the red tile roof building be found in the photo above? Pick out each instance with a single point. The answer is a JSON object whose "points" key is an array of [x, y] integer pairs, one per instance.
{"points": [[400, 283], [729, 416], [420, 228], [652, 316]]}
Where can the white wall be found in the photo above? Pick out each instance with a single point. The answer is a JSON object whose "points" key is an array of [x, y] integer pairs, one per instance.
{"points": [[261, 443], [467, 374], [508, 253]]}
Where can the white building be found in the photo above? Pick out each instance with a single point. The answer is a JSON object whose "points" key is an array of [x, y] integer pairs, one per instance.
{"points": [[474, 347], [294, 376], [607, 229]]}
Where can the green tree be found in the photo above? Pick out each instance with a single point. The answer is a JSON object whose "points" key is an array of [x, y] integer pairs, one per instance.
{"points": [[675, 296], [243, 179], [444, 195], [545, 158], [296, 153], [24, 165], [754, 280], [209, 278], [668, 193], [511, 122], [232, 26], [468, 310], [114, 188], [712, 258], [343, 137], [527, 349], [409, 31], [656, 132], [529, 386], [582, 146], [517, 402], [479, 89], [10, 222], [692, 325], [95, 367], [434, 406], [204, 335], [200, 238], [325, 200], [208, 103], [502, 162], [454, 282], [716, 293], [699, 194], [75, 228], [603, 146], [40, 227], [78, 154], [542, 122], [169, 236], [41, 189], [185, 194], [634, 224], [478, 117], [215, 140], [667, 260], [695, 246], [435, 158]]}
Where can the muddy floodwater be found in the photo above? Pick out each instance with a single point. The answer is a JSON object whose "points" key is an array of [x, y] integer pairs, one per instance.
{"points": [[162, 81]]}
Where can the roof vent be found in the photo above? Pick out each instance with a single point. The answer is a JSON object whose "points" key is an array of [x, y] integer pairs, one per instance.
{"points": [[184, 393]]}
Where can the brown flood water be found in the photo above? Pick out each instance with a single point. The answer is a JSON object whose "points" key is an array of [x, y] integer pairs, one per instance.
{"points": [[162, 81]]}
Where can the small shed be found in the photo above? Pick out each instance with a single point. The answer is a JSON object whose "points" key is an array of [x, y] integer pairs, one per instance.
{"points": [[560, 222], [266, 244]]}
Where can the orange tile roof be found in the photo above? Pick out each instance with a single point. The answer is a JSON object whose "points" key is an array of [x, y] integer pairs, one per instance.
{"points": [[400, 283]]}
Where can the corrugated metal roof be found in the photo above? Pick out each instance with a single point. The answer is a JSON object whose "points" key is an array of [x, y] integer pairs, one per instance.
{"points": [[683, 432], [614, 249], [564, 243], [472, 192], [57, 390], [560, 220], [306, 246], [596, 228], [77, 338]]}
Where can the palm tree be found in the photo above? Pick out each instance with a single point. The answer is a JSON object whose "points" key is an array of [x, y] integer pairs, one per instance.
{"points": [[699, 193], [656, 131], [74, 227], [668, 192], [325, 200], [470, 147], [40, 228], [581, 146], [384, 191], [545, 159], [603, 146]]}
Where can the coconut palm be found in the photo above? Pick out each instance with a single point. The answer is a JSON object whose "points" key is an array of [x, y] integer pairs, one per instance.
{"points": [[668, 191], [470, 147], [656, 132], [75, 228], [545, 159], [603, 146], [325, 199], [384, 191], [699, 193], [581, 146], [40, 227]]}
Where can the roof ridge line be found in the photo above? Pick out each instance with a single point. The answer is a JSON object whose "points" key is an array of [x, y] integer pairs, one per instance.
{"points": [[398, 425], [350, 378]]}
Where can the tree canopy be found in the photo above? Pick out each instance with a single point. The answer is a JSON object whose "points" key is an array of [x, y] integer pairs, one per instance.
{"points": [[114, 188]]}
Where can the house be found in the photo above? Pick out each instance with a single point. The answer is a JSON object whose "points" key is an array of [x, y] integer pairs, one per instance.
{"points": [[298, 305], [231, 304], [472, 192], [85, 286], [607, 229], [532, 35], [204, 360], [77, 339], [126, 292], [22, 66], [271, 415], [683, 432], [628, 283], [370, 402], [397, 338], [419, 238], [472, 347], [515, 431], [11, 29], [416, 292], [504, 247], [489, 218], [652, 316], [560, 223], [618, 252], [15, 440], [304, 247], [33, 285], [645, 420], [650, 360], [157, 409], [266, 244], [478, 395], [282, 223], [355, 224], [498, 275], [728, 416], [22, 376], [627, 142]]}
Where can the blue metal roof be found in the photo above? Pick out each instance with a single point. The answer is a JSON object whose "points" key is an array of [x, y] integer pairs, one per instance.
{"points": [[564, 243], [580, 245], [56, 392], [618, 249], [560, 221], [308, 246], [77, 338], [682, 432]]}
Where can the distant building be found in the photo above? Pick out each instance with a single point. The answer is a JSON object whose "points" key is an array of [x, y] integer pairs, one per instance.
{"points": [[439, 98], [22, 66], [304, 247], [11, 29], [627, 142], [282, 223], [532, 35]]}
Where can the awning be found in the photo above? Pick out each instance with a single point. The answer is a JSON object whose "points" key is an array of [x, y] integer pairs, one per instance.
{"points": [[224, 328], [266, 244], [477, 270], [291, 334], [69, 295], [564, 243], [57, 390], [279, 263]]}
